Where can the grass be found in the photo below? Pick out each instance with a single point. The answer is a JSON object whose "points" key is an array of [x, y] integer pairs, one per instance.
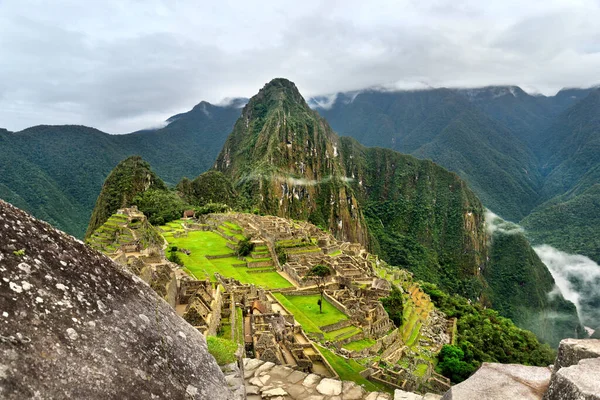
{"points": [[343, 333], [349, 370], [359, 344], [306, 311], [222, 350], [203, 243], [420, 370]]}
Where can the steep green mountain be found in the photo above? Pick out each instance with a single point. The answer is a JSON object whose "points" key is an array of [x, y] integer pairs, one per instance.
{"points": [[443, 125], [130, 178], [420, 216], [568, 219], [56, 172], [28, 186], [521, 154], [533, 303], [569, 223], [284, 158], [413, 213]]}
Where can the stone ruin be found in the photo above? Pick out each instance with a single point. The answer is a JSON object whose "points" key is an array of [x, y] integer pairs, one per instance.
{"points": [[363, 307]]}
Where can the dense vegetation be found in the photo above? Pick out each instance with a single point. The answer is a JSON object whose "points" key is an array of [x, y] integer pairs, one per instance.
{"points": [[393, 305], [56, 172], [160, 206], [484, 336], [129, 179], [519, 287], [209, 187]]}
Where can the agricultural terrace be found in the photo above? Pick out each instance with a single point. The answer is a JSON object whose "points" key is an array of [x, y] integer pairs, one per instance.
{"points": [[207, 243]]}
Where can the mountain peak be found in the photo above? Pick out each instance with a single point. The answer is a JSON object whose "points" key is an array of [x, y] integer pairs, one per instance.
{"points": [[279, 92]]}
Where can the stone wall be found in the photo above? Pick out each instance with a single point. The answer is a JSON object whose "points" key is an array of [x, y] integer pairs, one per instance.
{"points": [[336, 304], [336, 326], [215, 317]]}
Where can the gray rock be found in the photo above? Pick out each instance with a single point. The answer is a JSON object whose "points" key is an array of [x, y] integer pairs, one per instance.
{"points": [[577, 382], [274, 392], [263, 369], [296, 377], [250, 364], [73, 327], [296, 391], [311, 380], [571, 351], [402, 395], [329, 387], [352, 391], [501, 382], [250, 389], [432, 396]]}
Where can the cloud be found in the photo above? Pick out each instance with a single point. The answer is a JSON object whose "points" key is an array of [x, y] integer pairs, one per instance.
{"points": [[495, 224], [578, 279], [125, 65]]}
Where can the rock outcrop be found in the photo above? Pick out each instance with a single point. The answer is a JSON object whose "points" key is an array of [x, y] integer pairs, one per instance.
{"points": [[575, 376], [577, 382], [571, 351], [73, 324], [502, 381], [576, 371]]}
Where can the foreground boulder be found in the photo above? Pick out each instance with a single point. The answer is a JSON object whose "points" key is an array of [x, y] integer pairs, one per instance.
{"points": [[501, 382], [576, 371], [73, 324], [577, 382], [571, 351]]}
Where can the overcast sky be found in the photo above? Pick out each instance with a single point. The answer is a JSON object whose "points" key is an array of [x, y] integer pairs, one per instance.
{"points": [[125, 65]]}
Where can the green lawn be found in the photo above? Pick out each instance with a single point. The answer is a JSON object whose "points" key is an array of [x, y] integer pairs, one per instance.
{"points": [[343, 333], [359, 344], [349, 370], [306, 311], [203, 243], [222, 350]]}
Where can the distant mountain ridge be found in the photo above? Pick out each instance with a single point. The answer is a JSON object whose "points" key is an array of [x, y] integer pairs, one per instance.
{"points": [[497, 138], [56, 172], [522, 154]]}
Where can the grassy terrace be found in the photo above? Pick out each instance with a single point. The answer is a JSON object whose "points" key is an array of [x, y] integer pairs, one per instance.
{"points": [[359, 344], [306, 312], [203, 243], [349, 370]]}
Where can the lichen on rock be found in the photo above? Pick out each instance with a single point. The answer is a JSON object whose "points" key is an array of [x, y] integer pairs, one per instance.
{"points": [[71, 325]]}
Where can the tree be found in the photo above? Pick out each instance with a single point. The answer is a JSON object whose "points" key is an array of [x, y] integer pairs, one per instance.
{"points": [[319, 273], [160, 206], [245, 247], [452, 365], [393, 305]]}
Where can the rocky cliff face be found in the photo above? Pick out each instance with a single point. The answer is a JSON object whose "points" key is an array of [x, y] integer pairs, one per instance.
{"points": [[73, 324], [285, 158]]}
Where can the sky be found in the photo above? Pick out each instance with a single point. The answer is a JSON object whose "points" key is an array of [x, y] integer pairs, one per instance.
{"points": [[125, 65]]}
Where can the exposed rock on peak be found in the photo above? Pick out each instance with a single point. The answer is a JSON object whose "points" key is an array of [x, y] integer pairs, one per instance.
{"points": [[73, 324]]}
